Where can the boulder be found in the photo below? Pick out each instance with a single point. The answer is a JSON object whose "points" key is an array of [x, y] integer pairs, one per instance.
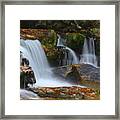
{"points": [[27, 76], [73, 75]]}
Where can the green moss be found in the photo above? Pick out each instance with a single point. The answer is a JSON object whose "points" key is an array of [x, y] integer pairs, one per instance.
{"points": [[75, 41]]}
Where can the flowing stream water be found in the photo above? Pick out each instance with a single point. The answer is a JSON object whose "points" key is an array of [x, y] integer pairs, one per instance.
{"points": [[71, 52], [33, 51], [88, 54]]}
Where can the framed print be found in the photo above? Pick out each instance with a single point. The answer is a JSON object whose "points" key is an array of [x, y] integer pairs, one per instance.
{"points": [[60, 60]]}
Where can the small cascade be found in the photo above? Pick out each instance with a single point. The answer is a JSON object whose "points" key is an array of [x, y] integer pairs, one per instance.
{"points": [[72, 53], [88, 54], [33, 51], [72, 56], [60, 41]]}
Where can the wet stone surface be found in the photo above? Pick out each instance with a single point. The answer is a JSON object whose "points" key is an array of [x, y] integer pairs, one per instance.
{"points": [[89, 76], [66, 93], [91, 72]]}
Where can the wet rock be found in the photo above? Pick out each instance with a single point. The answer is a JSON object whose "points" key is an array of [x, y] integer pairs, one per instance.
{"points": [[79, 96], [90, 83], [50, 93], [27, 95], [73, 75], [66, 93], [27, 76], [63, 95], [88, 76], [91, 72]]}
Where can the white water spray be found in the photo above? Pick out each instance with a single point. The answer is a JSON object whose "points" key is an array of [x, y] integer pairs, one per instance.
{"points": [[75, 59], [72, 53], [88, 55], [33, 51]]}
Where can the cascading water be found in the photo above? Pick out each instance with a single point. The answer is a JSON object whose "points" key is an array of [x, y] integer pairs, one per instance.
{"points": [[59, 41], [72, 53], [33, 51], [88, 55], [75, 59]]}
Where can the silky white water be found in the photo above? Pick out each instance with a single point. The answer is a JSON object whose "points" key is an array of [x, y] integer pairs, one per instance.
{"points": [[33, 51], [25, 94], [88, 54], [72, 54], [59, 41]]}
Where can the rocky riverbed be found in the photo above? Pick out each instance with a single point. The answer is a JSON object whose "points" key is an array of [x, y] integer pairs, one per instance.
{"points": [[88, 76], [91, 72], [67, 93], [85, 85]]}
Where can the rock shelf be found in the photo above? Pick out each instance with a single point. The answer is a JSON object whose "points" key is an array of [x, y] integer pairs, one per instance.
{"points": [[67, 93]]}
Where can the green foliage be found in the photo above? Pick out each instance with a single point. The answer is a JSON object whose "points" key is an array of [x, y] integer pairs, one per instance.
{"points": [[49, 39], [95, 32], [75, 41], [64, 26], [49, 46], [74, 31], [97, 92]]}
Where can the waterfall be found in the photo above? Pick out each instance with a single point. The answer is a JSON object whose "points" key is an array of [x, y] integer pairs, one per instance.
{"points": [[60, 41], [33, 51], [72, 56], [88, 54], [72, 53]]}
